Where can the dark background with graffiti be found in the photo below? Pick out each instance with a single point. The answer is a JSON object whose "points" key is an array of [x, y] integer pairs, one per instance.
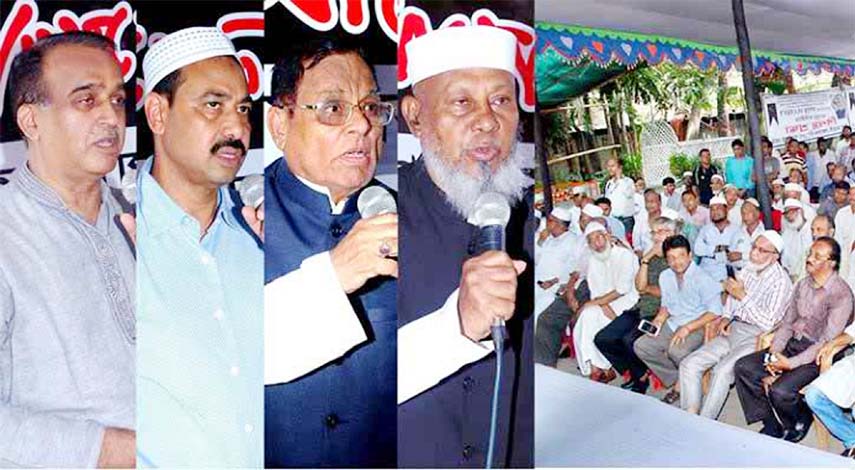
{"points": [[521, 11], [156, 18], [283, 25], [14, 14]]}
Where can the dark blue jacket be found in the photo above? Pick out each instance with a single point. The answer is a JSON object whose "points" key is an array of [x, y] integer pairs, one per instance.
{"points": [[343, 414]]}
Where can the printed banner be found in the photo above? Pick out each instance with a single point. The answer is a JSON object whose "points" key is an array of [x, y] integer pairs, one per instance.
{"points": [[807, 116]]}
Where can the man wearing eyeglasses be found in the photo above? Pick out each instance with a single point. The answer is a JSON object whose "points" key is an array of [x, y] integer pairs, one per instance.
{"points": [[330, 294], [769, 382], [755, 303]]}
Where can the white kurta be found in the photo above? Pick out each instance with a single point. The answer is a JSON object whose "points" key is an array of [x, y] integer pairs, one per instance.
{"points": [[838, 384], [620, 192], [734, 214], [617, 273], [844, 233], [796, 246], [744, 243], [555, 258], [642, 239]]}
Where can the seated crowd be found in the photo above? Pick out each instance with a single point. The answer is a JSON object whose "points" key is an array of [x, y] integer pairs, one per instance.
{"points": [[687, 288]]}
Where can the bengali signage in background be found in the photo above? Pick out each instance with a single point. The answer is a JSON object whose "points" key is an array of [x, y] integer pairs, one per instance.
{"points": [[371, 23], [808, 116], [25, 21], [421, 16]]}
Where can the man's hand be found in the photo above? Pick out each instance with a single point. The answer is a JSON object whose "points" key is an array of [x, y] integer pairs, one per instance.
{"points": [[680, 335], [735, 288], [608, 312], [255, 219], [366, 250], [782, 364], [824, 352], [488, 290], [724, 326], [768, 381], [734, 256], [661, 317], [118, 449]]}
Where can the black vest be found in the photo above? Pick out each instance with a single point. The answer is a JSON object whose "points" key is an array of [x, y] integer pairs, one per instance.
{"points": [[343, 414], [447, 426]]}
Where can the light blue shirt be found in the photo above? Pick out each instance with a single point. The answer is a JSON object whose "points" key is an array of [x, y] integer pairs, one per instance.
{"points": [[200, 384], [737, 171], [698, 294], [715, 263]]}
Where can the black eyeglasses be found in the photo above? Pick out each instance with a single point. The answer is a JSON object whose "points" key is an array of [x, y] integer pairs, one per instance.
{"points": [[338, 112]]}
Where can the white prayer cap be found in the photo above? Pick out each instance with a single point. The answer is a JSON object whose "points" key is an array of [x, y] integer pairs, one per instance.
{"points": [[182, 48], [463, 47], [753, 202], [778, 181], [717, 176], [718, 200], [792, 203], [729, 186], [579, 190], [792, 187], [594, 227], [774, 238], [670, 214], [592, 211], [687, 173], [561, 212]]}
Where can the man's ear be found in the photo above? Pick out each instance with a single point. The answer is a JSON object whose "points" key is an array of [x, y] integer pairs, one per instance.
{"points": [[156, 111], [28, 121], [411, 110], [277, 125]]}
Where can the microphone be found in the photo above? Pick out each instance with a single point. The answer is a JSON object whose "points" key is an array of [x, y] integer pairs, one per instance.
{"points": [[376, 200], [251, 190], [491, 214]]}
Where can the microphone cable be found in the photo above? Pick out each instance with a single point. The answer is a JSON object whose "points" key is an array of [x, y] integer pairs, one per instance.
{"points": [[497, 332]]}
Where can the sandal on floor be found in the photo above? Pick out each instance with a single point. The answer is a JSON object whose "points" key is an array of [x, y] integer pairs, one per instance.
{"points": [[671, 397]]}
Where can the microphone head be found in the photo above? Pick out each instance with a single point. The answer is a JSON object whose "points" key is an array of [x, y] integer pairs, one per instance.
{"points": [[251, 190], [376, 200], [491, 209]]}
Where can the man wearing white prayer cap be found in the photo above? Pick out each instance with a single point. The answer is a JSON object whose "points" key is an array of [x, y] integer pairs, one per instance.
{"points": [[734, 204], [715, 240], [756, 301], [555, 258], [611, 280], [463, 110], [796, 232], [199, 322]]}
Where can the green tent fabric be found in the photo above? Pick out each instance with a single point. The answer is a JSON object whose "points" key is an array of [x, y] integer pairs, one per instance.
{"points": [[557, 80]]}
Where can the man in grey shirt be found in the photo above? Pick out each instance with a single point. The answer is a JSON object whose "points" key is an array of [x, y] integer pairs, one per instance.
{"points": [[67, 331]]}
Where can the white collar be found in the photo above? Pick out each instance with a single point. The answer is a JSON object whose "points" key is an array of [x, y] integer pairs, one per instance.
{"points": [[335, 209]]}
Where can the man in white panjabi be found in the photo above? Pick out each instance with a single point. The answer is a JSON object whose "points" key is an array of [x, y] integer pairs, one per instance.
{"points": [[796, 232], [611, 281], [844, 223], [554, 257]]}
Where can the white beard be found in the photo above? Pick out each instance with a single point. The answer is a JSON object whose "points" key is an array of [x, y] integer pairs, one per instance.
{"points": [[756, 268], [462, 190], [794, 226], [603, 255]]}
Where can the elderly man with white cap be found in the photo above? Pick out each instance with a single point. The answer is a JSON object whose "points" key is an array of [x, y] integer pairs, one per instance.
{"points": [[844, 226], [463, 109], [716, 240], [611, 281], [796, 231], [199, 322], [734, 204], [754, 305]]}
